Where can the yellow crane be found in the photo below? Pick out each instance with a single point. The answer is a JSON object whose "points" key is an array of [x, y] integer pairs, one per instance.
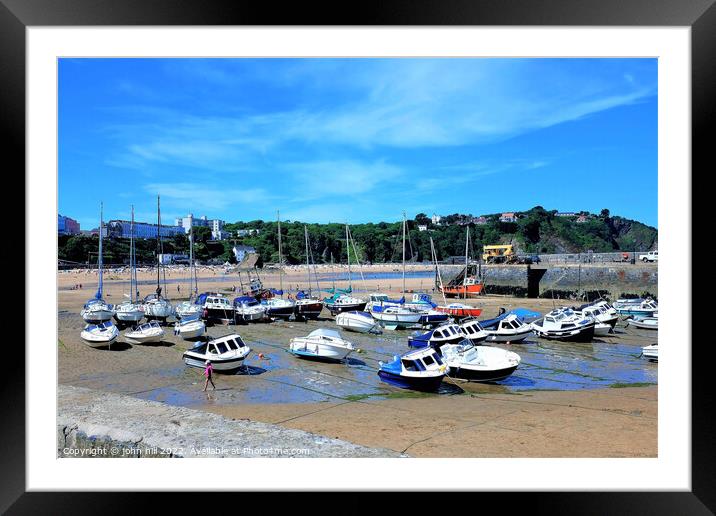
{"points": [[498, 254]]}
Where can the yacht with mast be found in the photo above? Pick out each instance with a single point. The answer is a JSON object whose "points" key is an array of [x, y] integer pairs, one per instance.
{"points": [[342, 300], [307, 306], [466, 283], [189, 308], [97, 310], [277, 307], [130, 312], [156, 306]]}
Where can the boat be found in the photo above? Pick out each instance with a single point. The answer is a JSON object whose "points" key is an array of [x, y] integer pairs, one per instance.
{"points": [[473, 331], [307, 307], [321, 344], [190, 327], [508, 328], [189, 308], [433, 317], [420, 369], [602, 311], [394, 317], [100, 335], [449, 333], [467, 283], [651, 353], [278, 308], [642, 307], [130, 312], [97, 310], [342, 301], [216, 308], [361, 322], [157, 307], [248, 309], [644, 323], [601, 329], [565, 324], [460, 310], [226, 353], [479, 363], [147, 333]]}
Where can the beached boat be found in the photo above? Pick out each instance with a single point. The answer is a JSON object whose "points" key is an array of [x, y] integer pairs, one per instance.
{"points": [[509, 328], [216, 307], [277, 308], [155, 306], [449, 333], [147, 333], [473, 331], [97, 310], [100, 335], [644, 323], [479, 363], [421, 369], [342, 301], [248, 309], [321, 344], [307, 307], [226, 353], [651, 353], [393, 317], [188, 309], [471, 287], [641, 307], [565, 324], [602, 311], [433, 317], [130, 312], [459, 310], [361, 322], [190, 327], [601, 329]]}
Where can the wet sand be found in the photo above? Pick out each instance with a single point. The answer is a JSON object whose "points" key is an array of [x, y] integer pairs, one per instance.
{"points": [[565, 400]]}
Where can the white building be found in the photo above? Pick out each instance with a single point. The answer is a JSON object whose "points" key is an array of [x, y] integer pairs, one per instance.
{"points": [[216, 225], [422, 227], [240, 252], [436, 219]]}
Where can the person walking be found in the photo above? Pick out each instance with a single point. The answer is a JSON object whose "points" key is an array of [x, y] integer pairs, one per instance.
{"points": [[208, 370]]}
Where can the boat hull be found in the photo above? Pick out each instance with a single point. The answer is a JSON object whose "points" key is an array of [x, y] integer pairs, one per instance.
{"points": [[585, 334], [336, 309], [308, 310], [152, 338], [94, 342], [473, 374], [129, 316], [283, 312], [252, 315], [223, 366], [516, 337], [459, 313], [423, 383], [463, 290], [358, 323], [97, 316]]}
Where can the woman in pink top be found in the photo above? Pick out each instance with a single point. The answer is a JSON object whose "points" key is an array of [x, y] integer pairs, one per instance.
{"points": [[207, 372]]}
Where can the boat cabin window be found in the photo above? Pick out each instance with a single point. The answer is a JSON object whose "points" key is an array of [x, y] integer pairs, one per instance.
{"points": [[221, 346], [410, 365], [231, 345], [428, 360], [212, 349]]}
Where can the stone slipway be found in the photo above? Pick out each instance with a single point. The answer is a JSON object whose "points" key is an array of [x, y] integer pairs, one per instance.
{"points": [[101, 424]]}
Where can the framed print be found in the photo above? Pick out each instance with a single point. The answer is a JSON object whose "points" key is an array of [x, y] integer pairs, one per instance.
{"points": [[424, 240]]}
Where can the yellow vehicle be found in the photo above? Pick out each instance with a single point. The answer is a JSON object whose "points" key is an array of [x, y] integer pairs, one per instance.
{"points": [[498, 254]]}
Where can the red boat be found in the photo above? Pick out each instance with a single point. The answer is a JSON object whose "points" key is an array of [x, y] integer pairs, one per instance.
{"points": [[458, 310], [471, 288]]}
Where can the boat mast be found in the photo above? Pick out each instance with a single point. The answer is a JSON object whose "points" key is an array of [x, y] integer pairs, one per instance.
{"points": [[99, 259], [464, 277], [348, 257], [159, 288], [308, 266], [132, 269], [280, 270], [191, 261], [437, 269], [404, 224]]}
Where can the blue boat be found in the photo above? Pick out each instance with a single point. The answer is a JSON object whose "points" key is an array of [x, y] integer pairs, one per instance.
{"points": [[420, 370], [443, 334]]}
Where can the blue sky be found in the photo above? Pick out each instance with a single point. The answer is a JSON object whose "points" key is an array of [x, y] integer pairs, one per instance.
{"points": [[355, 140]]}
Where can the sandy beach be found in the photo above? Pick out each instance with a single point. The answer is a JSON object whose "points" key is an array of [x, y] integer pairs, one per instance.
{"points": [[565, 400]]}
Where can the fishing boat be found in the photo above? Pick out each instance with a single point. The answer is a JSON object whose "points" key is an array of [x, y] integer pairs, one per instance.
{"points": [[97, 310], [444, 334], [479, 363], [130, 312], [394, 317], [565, 324], [321, 344], [641, 307], [460, 310], [509, 328], [216, 308], [651, 353], [147, 333], [421, 369], [473, 331], [248, 309], [644, 323], [361, 322], [157, 307], [190, 327], [226, 353], [100, 335], [467, 283], [602, 311]]}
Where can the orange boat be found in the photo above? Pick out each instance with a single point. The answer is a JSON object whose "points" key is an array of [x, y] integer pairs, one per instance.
{"points": [[458, 310], [472, 287]]}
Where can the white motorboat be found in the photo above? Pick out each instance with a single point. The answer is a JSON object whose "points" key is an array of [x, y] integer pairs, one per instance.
{"points": [[479, 363], [278, 308], [321, 344], [602, 311], [473, 331], [601, 329], [361, 322], [147, 333], [96, 311], [216, 307], [157, 307], [651, 353], [343, 302], [100, 335], [640, 307], [190, 328], [248, 309], [188, 309], [644, 323], [448, 333], [508, 329], [565, 324], [393, 317], [225, 353], [420, 369]]}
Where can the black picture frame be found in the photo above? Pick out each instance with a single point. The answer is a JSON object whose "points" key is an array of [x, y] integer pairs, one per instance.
{"points": [[699, 15]]}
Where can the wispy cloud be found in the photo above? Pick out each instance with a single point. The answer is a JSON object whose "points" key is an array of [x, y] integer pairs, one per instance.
{"points": [[199, 196]]}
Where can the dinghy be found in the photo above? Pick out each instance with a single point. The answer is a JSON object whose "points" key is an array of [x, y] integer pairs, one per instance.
{"points": [[248, 309], [321, 344], [226, 353], [473, 331], [479, 363], [190, 327], [651, 353], [444, 334], [100, 335], [420, 370], [565, 324], [361, 322], [508, 329], [146, 333]]}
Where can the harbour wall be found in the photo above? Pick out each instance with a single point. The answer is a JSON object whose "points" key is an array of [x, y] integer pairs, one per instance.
{"points": [[561, 280], [96, 424]]}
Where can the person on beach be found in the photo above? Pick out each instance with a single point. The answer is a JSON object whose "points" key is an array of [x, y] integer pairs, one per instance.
{"points": [[207, 372]]}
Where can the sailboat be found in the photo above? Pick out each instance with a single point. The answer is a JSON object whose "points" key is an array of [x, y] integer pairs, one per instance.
{"points": [[307, 307], [97, 310], [131, 312], [277, 307], [342, 300], [465, 284], [454, 310], [189, 308], [157, 307]]}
